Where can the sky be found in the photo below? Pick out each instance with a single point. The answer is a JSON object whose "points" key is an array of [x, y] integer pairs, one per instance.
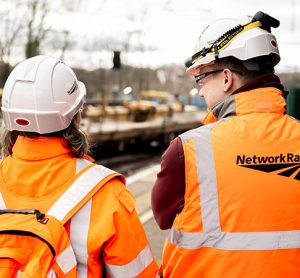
{"points": [[156, 32]]}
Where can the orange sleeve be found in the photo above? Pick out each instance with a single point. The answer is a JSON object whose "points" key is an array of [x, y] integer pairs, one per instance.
{"points": [[121, 236]]}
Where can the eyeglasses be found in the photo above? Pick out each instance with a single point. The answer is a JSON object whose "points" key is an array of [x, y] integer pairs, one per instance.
{"points": [[201, 76]]}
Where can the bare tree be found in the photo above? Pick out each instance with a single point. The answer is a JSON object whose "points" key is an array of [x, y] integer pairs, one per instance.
{"points": [[24, 24], [36, 31], [10, 28]]}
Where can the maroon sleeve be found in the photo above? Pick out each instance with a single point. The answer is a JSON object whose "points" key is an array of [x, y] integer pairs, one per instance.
{"points": [[167, 197]]}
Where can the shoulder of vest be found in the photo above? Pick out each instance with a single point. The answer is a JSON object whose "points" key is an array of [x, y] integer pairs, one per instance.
{"points": [[83, 165], [188, 135], [87, 183], [104, 174], [110, 173]]}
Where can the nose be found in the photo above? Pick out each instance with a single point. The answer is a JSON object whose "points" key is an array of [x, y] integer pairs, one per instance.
{"points": [[200, 92]]}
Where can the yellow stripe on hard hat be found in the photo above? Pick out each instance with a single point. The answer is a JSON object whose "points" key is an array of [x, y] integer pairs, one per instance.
{"points": [[246, 27]]}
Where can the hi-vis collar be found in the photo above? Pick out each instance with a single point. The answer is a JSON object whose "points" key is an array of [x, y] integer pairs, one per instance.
{"points": [[224, 40]]}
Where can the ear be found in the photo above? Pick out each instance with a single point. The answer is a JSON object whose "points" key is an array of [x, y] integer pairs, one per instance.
{"points": [[228, 80]]}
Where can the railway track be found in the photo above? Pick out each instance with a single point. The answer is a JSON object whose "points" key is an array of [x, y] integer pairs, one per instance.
{"points": [[131, 161], [128, 164]]}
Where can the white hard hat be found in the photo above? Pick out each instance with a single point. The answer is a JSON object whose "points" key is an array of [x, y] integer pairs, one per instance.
{"points": [[243, 39], [41, 95]]}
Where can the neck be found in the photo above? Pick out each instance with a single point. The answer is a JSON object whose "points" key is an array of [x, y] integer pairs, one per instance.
{"points": [[236, 84], [263, 81]]}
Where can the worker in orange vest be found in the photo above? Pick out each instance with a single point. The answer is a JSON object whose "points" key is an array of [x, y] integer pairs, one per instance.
{"points": [[45, 150], [229, 190]]}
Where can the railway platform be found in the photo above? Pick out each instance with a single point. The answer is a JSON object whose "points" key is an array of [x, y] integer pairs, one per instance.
{"points": [[140, 185]]}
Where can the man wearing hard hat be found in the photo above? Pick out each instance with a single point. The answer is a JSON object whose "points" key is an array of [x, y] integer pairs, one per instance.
{"points": [[230, 189]]}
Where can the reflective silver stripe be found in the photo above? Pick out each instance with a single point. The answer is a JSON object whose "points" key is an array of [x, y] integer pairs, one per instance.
{"points": [[237, 241], [206, 177], [81, 163], [207, 181], [212, 236], [2, 203], [79, 229], [78, 190], [51, 274], [81, 220], [66, 260], [132, 269], [79, 234]]}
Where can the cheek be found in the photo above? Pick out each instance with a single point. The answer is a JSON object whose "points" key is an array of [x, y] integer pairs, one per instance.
{"points": [[209, 98], [213, 96]]}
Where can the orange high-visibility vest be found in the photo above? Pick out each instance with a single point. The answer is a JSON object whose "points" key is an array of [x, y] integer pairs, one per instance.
{"points": [[242, 208], [27, 232], [106, 233]]}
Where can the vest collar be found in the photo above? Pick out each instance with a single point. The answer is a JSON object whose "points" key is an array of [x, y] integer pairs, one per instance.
{"points": [[262, 100], [39, 148]]}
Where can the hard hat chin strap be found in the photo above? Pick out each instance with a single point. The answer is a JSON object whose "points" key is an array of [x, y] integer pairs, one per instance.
{"points": [[216, 52]]}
